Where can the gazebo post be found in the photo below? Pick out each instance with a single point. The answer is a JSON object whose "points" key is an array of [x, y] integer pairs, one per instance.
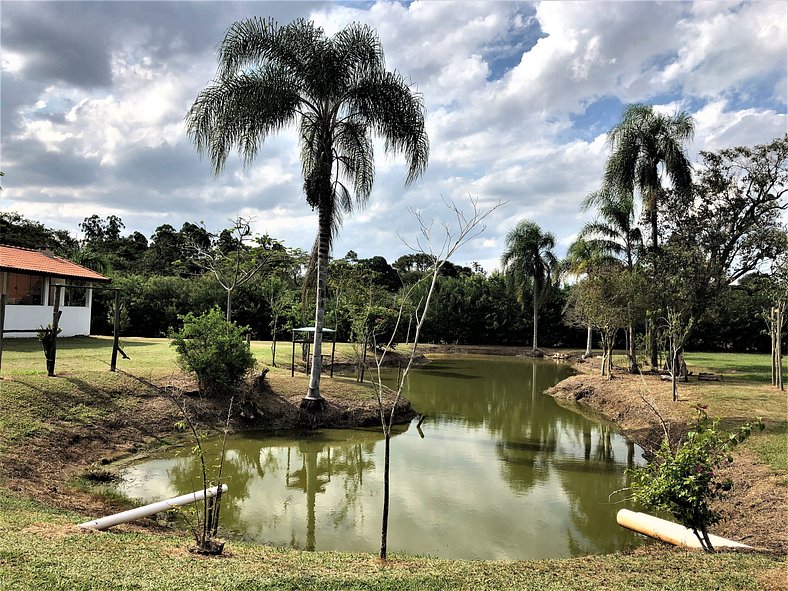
{"points": [[115, 333], [333, 348], [292, 358]]}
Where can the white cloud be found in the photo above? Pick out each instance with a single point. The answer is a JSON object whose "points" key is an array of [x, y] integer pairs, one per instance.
{"points": [[721, 52], [717, 127], [509, 90]]}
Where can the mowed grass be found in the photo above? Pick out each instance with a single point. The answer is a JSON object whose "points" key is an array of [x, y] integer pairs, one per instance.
{"points": [[743, 394], [85, 391], [41, 549]]}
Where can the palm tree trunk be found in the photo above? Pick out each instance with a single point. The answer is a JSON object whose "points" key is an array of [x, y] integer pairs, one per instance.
{"points": [[654, 246], [589, 342], [633, 354], [536, 315], [273, 341], [324, 233], [654, 227]]}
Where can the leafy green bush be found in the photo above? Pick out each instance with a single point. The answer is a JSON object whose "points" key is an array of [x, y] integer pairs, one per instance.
{"points": [[213, 350], [684, 480]]}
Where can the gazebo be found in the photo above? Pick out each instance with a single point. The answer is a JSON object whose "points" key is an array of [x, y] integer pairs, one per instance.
{"points": [[306, 336], [35, 282]]}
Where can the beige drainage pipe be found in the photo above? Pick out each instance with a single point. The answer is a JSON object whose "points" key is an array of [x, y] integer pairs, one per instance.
{"points": [[152, 509], [667, 531]]}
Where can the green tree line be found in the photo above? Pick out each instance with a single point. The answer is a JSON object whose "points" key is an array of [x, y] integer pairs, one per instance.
{"points": [[160, 281]]}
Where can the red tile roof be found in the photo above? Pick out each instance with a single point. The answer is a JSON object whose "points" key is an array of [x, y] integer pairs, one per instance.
{"points": [[13, 258]]}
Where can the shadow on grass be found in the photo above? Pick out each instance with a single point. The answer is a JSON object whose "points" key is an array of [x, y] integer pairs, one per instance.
{"points": [[72, 343]]}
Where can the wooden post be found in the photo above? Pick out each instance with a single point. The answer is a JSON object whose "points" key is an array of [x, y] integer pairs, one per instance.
{"points": [[333, 349], [52, 357], [115, 333], [775, 340], [292, 358], [3, 298], [779, 330]]}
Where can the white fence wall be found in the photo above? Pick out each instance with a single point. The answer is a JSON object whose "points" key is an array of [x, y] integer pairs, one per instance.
{"points": [[74, 321]]}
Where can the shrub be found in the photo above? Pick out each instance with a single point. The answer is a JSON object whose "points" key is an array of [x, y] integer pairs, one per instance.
{"points": [[684, 480], [214, 350]]}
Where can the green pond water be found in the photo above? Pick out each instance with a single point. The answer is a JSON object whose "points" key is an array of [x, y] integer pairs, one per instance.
{"points": [[498, 470]]}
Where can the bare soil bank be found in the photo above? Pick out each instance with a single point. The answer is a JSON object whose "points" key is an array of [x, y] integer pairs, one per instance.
{"points": [[754, 511], [45, 465]]}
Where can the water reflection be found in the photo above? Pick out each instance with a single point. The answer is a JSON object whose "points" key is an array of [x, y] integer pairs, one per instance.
{"points": [[501, 472]]}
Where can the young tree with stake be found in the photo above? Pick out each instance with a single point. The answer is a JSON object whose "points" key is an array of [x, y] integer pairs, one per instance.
{"points": [[466, 227]]}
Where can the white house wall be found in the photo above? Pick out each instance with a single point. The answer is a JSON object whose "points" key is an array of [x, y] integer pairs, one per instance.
{"points": [[74, 321]]}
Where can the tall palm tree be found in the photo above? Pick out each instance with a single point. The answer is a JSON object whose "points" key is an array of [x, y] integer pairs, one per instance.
{"points": [[615, 234], [614, 231], [645, 146], [338, 93], [529, 258]]}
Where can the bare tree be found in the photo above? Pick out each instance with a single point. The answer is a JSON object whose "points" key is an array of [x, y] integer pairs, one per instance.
{"points": [[279, 298], [677, 328], [602, 302], [775, 320], [465, 227], [233, 260]]}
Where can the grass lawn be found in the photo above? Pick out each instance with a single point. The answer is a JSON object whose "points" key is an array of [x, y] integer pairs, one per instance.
{"points": [[744, 394], [41, 549]]}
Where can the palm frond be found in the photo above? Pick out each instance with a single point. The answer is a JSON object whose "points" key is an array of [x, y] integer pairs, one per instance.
{"points": [[396, 113], [240, 112]]}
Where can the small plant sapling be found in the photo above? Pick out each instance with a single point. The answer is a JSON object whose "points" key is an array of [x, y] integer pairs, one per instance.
{"points": [[684, 479], [205, 525]]}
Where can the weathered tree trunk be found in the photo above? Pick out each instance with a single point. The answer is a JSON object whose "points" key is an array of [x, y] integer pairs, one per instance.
{"points": [[229, 306], [774, 333], [51, 350], [633, 354], [652, 343], [536, 315], [273, 341], [589, 342], [778, 343], [384, 530], [324, 233]]}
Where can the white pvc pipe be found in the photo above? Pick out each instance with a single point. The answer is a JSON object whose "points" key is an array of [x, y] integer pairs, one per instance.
{"points": [[667, 531], [153, 508]]}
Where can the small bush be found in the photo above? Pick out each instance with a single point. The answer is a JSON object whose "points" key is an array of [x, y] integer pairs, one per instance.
{"points": [[214, 350], [684, 479]]}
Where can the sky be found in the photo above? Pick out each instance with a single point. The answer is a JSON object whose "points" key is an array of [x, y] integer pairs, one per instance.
{"points": [[519, 98]]}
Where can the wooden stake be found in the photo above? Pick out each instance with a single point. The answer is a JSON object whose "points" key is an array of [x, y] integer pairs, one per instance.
{"points": [[55, 321], [115, 333], [3, 299]]}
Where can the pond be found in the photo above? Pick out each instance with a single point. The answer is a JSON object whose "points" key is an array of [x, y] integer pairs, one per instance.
{"points": [[497, 470]]}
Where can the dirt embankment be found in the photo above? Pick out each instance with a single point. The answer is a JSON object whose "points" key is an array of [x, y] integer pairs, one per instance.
{"points": [[754, 510], [45, 465]]}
